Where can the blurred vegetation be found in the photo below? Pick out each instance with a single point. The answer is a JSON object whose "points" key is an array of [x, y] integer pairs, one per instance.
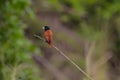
{"points": [[95, 21], [15, 50]]}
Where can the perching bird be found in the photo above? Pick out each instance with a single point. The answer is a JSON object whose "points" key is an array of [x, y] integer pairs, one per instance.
{"points": [[48, 34]]}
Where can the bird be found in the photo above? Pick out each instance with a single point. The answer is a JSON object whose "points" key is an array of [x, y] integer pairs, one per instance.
{"points": [[48, 35]]}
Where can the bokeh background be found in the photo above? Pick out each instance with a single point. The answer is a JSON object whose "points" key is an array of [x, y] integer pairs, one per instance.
{"points": [[87, 31]]}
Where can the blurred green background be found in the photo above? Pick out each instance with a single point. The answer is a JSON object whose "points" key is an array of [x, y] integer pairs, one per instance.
{"points": [[87, 31]]}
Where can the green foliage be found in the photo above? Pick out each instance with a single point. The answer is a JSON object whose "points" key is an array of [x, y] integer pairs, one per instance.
{"points": [[56, 4], [15, 49], [65, 18], [89, 33]]}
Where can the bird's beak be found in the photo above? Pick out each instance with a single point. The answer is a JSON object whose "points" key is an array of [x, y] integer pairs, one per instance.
{"points": [[43, 28]]}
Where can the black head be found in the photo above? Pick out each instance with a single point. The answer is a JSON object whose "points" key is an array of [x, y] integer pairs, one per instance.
{"points": [[45, 28]]}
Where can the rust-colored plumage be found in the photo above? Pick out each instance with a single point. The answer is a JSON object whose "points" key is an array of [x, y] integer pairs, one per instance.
{"points": [[48, 34]]}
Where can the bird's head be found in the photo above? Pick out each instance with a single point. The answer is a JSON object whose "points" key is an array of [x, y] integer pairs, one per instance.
{"points": [[45, 28]]}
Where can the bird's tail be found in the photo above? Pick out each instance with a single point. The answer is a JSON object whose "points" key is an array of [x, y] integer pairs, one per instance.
{"points": [[49, 44]]}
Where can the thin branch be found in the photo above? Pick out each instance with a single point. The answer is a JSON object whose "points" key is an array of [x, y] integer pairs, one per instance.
{"points": [[67, 59]]}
